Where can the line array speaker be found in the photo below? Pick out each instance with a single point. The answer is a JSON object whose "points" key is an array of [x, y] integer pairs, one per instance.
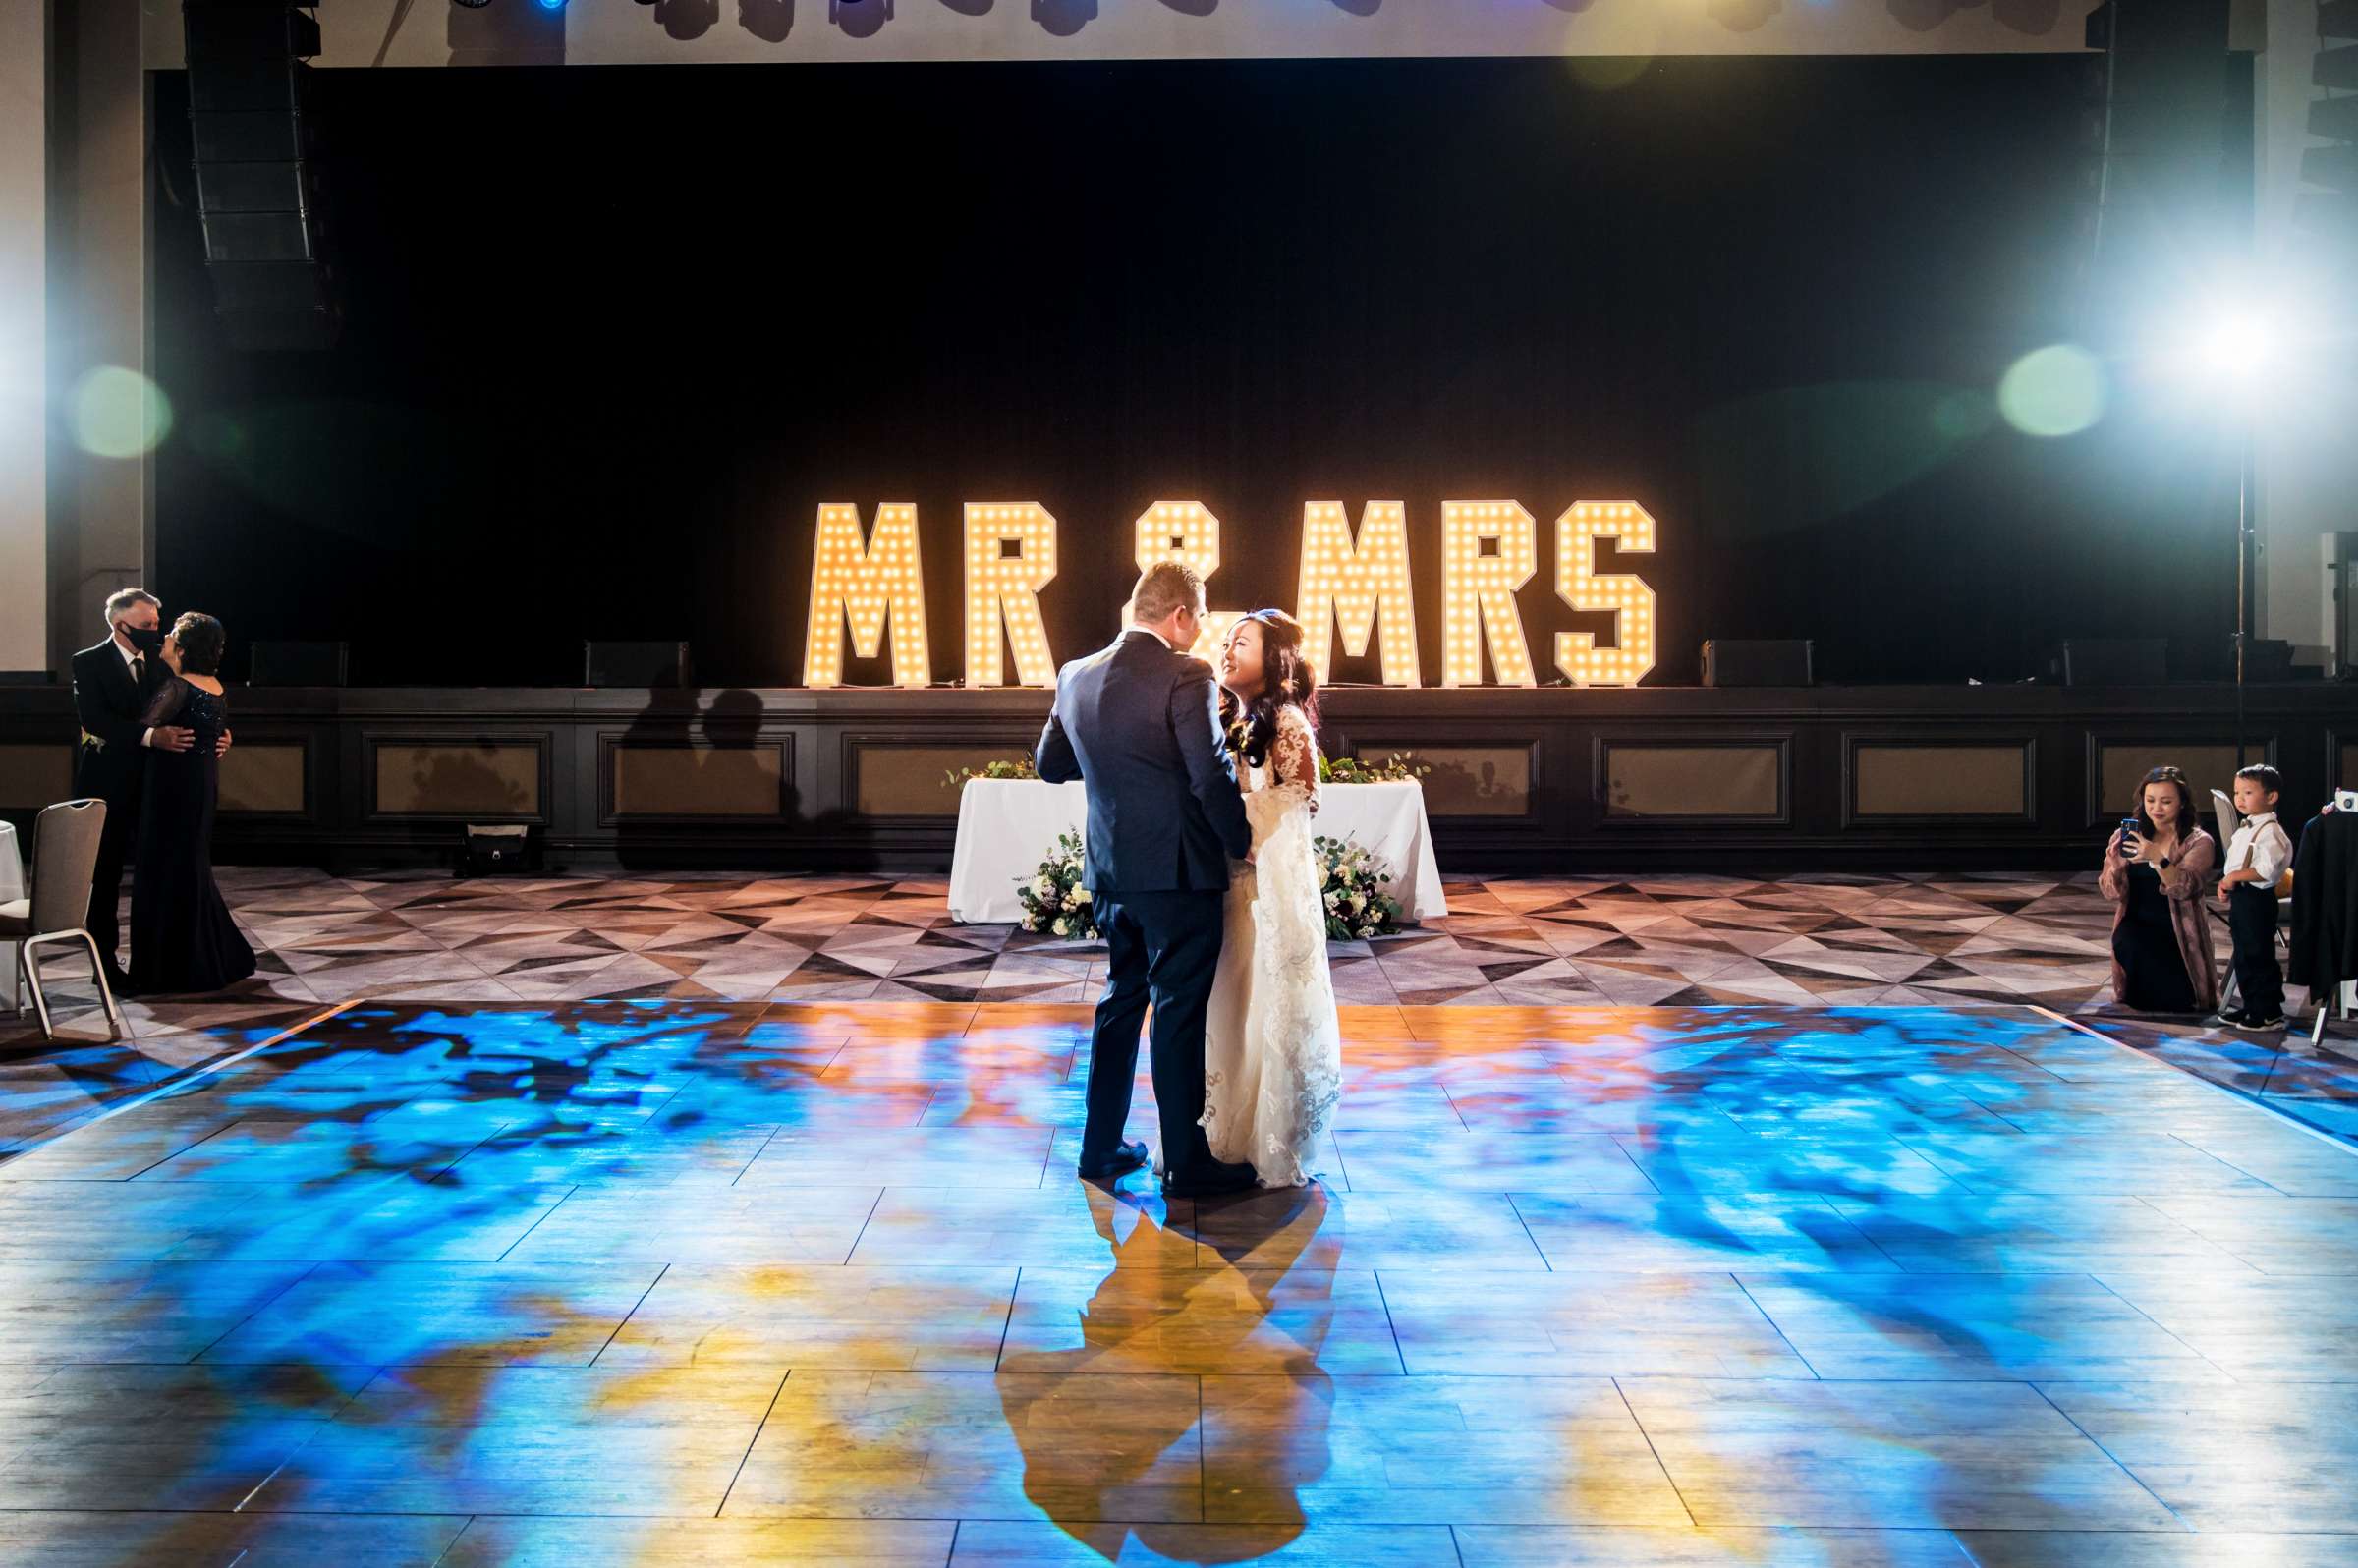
{"points": [[257, 172]]}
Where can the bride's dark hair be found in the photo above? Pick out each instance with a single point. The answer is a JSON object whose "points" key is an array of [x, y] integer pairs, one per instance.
{"points": [[1286, 680]]}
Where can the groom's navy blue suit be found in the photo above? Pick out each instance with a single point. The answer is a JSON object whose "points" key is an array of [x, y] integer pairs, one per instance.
{"points": [[1139, 724]]}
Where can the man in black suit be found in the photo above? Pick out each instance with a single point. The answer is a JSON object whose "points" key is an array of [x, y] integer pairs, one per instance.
{"points": [[112, 683], [1139, 724]]}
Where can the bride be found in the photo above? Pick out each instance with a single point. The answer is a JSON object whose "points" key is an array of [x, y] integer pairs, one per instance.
{"points": [[1272, 1044]]}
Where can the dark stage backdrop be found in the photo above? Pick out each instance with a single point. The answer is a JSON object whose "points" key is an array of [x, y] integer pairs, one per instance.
{"points": [[615, 334]]}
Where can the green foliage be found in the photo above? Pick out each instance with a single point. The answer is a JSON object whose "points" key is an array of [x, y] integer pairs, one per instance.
{"points": [[1025, 767], [1401, 767], [1351, 888], [1054, 901]]}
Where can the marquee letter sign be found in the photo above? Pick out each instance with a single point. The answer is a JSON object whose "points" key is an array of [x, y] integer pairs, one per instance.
{"points": [[1188, 533], [1354, 580], [1622, 594], [1489, 549], [1002, 586], [863, 582], [1360, 582]]}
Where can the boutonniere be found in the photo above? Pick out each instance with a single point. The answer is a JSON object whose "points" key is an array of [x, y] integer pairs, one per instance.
{"points": [[88, 739], [1238, 733]]}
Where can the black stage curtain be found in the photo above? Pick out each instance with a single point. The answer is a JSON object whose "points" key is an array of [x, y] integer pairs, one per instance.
{"points": [[615, 333]]}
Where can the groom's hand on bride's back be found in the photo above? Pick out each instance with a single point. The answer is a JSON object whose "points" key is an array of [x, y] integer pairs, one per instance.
{"points": [[171, 738]]}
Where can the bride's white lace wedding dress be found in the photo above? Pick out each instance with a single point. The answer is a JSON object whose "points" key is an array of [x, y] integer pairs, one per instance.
{"points": [[1272, 1044]]}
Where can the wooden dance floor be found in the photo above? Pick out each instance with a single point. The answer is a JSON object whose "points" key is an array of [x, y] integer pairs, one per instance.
{"points": [[678, 1280]]}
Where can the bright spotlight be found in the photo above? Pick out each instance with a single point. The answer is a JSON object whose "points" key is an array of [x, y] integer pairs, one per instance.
{"points": [[2240, 345], [552, 5]]}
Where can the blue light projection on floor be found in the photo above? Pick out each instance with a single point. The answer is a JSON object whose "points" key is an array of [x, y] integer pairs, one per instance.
{"points": [[613, 1282]]}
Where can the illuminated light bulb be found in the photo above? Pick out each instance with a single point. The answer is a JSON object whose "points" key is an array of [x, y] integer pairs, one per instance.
{"points": [[867, 581], [1188, 533], [1479, 595], [1358, 580], [1625, 595], [1004, 590]]}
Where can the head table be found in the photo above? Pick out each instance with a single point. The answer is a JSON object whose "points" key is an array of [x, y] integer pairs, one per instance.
{"points": [[1007, 825]]}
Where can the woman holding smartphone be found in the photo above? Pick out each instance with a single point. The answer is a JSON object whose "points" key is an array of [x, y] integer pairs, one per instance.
{"points": [[2156, 867]]}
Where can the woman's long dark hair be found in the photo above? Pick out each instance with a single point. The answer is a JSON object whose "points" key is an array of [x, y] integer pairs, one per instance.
{"points": [[2189, 823], [1286, 679]]}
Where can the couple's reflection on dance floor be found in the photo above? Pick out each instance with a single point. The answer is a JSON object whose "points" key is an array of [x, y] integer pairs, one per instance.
{"points": [[1258, 1304]]}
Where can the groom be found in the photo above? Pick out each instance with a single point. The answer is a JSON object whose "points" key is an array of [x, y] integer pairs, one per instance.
{"points": [[1139, 724]]}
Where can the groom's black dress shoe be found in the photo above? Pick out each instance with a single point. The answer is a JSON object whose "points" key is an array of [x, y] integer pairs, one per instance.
{"points": [[1124, 1161], [1211, 1180]]}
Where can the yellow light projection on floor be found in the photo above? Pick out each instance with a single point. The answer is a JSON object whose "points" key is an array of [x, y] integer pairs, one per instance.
{"points": [[1489, 549], [1010, 556], [1623, 594], [1362, 582], [863, 582]]}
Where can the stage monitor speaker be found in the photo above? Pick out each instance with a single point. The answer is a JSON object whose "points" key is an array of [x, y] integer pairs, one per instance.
{"points": [[664, 664], [2267, 660], [301, 664], [257, 172], [2116, 661], [1736, 661]]}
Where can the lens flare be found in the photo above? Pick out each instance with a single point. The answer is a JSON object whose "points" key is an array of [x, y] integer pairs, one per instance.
{"points": [[2058, 390], [119, 413]]}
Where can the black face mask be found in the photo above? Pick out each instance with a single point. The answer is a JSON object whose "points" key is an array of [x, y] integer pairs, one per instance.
{"points": [[146, 641]]}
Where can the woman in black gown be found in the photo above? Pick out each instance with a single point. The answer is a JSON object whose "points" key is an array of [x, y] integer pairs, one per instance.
{"points": [[181, 937]]}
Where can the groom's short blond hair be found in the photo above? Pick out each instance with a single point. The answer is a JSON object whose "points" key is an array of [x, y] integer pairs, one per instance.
{"points": [[1164, 588]]}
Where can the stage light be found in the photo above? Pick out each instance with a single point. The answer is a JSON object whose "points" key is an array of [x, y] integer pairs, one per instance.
{"points": [[551, 5], [119, 413], [1360, 581], [2058, 390], [1003, 587], [1626, 597], [2238, 346], [1478, 590], [864, 582]]}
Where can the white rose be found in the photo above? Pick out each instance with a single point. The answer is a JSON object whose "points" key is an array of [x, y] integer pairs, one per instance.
{"points": [[1367, 930], [1080, 895], [1359, 901], [1064, 928], [1043, 886], [1334, 900]]}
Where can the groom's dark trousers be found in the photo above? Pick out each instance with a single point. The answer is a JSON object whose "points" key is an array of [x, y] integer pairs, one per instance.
{"points": [[1138, 725], [1161, 947]]}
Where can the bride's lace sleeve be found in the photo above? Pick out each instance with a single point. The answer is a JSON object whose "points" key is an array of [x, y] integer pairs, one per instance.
{"points": [[1294, 759]]}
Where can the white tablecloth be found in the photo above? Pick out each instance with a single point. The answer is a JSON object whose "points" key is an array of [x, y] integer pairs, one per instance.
{"points": [[12, 887], [1006, 825]]}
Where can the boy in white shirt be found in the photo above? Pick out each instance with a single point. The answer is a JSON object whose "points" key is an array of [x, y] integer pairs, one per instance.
{"points": [[2256, 862]]}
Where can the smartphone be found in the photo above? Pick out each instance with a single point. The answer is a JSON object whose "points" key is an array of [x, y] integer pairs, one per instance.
{"points": [[2128, 829]]}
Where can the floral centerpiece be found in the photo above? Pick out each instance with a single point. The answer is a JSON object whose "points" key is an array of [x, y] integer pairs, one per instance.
{"points": [[1401, 767], [1054, 901], [1352, 891], [1006, 767]]}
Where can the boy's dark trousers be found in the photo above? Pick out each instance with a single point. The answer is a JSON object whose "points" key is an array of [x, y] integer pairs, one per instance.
{"points": [[2252, 920]]}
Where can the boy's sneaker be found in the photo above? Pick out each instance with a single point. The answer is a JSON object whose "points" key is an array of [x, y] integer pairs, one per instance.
{"points": [[2229, 1018], [2252, 1024]]}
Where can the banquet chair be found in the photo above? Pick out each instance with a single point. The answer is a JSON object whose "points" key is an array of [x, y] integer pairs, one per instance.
{"points": [[65, 851]]}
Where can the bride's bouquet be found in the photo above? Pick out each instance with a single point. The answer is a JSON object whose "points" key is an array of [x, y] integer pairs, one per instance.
{"points": [[1054, 901], [1353, 892]]}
